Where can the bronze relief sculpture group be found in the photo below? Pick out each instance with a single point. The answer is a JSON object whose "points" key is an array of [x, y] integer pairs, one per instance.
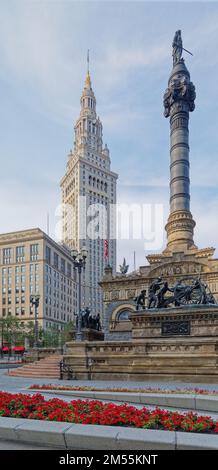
{"points": [[190, 291]]}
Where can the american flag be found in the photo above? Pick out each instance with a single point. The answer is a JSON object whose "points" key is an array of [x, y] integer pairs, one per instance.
{"points": [[106, 248]]}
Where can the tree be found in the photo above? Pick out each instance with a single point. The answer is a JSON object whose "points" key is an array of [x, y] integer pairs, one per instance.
{"points": [[14, 332], [11, 331], [66, 334]]}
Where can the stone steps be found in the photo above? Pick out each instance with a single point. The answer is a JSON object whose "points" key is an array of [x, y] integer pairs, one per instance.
{"points": [[48, 367]]}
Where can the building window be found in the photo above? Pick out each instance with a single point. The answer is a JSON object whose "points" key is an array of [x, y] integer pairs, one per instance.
{"points": [[69, 270], [34, 251], [56, 260], [124, 315], [7, 255], [48, 255], [20, 254], [62, 265]]}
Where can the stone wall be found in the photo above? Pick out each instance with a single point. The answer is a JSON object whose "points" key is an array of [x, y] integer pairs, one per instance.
{"points": [[186, 359]]}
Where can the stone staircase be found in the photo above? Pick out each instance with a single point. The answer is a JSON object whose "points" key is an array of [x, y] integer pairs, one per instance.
{"points": [[48, 367]]}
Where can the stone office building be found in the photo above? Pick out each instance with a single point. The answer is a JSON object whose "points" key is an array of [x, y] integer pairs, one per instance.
{"points": [[32, 263]]}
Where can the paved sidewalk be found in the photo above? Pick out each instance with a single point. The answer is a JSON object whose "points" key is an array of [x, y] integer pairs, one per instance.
{"points": [[17, 384]]}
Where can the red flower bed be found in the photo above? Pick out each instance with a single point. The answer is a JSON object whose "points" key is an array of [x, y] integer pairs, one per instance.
{"points": [[96, 412], [196, 390]]}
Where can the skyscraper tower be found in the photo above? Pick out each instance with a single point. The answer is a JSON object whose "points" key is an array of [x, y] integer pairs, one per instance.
{"points": [[178, 103], [89, 181]]}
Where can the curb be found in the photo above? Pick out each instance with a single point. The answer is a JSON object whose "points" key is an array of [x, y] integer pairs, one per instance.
{"points": [[68, 436], [189, 402]]}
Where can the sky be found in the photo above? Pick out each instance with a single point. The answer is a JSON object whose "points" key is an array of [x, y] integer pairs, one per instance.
{"points": [[43, 48]]}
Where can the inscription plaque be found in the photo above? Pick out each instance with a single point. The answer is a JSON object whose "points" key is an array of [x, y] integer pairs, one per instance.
{"points": [[180, 328]]}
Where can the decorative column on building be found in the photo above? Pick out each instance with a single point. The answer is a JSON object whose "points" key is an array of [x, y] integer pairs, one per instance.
{"points": [[178, 103]]}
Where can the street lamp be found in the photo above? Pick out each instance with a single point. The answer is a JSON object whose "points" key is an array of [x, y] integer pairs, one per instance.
{"points": [[34, 300], [79, 262]]}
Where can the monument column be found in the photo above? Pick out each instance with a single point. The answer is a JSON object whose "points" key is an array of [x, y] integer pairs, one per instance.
{"points": [[178, 103]]}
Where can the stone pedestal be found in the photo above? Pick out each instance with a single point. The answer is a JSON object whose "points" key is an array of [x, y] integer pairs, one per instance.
{"points": [[195, 320], [90, 334], [157, 351], [184, 359]]}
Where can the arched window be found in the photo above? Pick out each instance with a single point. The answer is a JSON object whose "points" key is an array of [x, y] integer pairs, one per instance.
{"points": [[123, 315]]}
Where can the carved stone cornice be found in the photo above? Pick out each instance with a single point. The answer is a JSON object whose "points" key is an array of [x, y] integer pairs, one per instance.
{"points": [[20, 236]]}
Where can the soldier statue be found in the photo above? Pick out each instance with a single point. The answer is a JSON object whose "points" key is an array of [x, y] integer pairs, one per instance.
{"points": [[161, 301], [152, 293], [140, 300], [177, 47], [98, 322], [85, 317]]}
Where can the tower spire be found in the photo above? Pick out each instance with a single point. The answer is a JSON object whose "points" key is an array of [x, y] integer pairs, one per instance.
{"points": [[88, 79], [88, 61]]}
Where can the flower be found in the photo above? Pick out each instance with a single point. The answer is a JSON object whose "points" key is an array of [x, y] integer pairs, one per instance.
{"points": [[196, 390], [96, 412]]}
